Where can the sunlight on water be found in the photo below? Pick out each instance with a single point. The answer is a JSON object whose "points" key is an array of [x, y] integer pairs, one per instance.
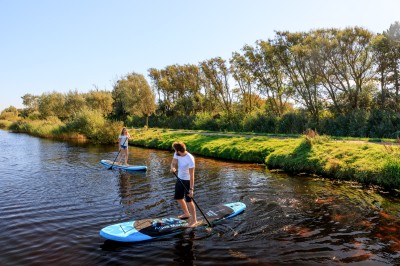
{"points": [[56, 197]]}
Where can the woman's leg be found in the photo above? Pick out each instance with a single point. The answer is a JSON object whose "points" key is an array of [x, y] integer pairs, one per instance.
{"points": [[126, 155], [120, 156]]}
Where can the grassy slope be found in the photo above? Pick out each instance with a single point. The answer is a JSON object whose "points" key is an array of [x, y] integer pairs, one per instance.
{"points": [[367, 163], [364, 162]]}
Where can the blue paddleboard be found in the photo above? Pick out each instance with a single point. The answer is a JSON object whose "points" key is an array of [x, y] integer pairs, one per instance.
{"points": [[147, 229], [127, 167]]}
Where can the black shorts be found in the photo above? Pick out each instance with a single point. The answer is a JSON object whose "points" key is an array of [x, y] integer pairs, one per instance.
{"points": [[180, 192]]}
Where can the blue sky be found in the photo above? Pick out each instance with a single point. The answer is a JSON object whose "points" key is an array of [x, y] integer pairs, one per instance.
{"points": [[62, 45]]}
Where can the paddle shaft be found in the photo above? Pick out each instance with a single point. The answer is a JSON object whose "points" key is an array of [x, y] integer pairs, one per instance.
{"points": [[117, 155], [187, 191]]}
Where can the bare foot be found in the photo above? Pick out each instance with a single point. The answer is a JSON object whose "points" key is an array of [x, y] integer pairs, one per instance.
{"points": [[184, 216], [195, 223]]}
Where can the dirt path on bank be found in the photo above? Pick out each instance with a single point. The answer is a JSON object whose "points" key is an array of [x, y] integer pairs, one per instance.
{"points": [[385, 143]]}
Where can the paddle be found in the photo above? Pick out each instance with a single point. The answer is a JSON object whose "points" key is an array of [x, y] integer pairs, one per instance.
{"points": [[117, 155], [193, 199]]}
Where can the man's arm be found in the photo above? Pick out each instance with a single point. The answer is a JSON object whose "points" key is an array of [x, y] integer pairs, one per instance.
{"points": [[174, 164], [191, 173]]}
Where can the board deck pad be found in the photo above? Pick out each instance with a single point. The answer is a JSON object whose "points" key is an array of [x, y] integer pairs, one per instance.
{"points": [[155, 227], [147, 229], [128, 167]]}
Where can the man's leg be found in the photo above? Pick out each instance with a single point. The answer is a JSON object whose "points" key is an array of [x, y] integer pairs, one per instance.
{"points": [[184, 207], [193, 217]]}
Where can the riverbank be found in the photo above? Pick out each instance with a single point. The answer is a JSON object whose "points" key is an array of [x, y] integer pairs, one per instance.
{"points": [[366, 163], [363, 162]]}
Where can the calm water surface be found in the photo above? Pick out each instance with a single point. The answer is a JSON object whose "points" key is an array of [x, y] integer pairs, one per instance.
{"points": [[55, 197]]}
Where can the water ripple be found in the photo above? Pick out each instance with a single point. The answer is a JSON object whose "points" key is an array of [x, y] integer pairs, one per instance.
{"points": [[56, 197]]}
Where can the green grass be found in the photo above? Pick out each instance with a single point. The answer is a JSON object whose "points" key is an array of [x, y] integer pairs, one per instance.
{"points": [[365, 162]]}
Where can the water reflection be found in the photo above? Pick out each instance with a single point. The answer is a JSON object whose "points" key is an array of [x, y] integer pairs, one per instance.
{"points": [[184, 251], [56, 197]]}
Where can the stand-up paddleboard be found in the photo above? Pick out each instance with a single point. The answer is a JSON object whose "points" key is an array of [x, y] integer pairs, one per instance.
{"points": [[126, 167], [135, 231]]}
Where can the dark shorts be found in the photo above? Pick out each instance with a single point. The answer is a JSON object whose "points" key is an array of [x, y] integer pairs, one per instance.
{"points": [[124, 147], [180, 192]]}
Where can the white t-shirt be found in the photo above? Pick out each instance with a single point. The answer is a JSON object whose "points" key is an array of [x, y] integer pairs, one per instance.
{"points": [[123, 140], [184, 163]]}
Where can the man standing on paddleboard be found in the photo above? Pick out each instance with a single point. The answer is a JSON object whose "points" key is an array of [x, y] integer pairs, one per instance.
{"points": [[184, 161]]}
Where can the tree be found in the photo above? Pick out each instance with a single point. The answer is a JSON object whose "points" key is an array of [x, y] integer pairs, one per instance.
{"points": [[31, 103], [10, 114], [133, 96], [74, 102], [298, 62], [244, 78], [100, 101], [269, 74], [344, 65], [392, 36], [178, 88], [52, 104], [216, 79]]}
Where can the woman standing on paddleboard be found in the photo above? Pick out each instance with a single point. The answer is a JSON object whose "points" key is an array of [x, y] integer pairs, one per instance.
{"points": [[185, 163], [123, 145]]}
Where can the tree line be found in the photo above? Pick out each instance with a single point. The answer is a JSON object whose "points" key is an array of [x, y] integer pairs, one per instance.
{"points": [[337, 81]]}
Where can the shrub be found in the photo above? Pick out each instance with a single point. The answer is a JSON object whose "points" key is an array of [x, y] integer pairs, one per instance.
{"points": [[230, 121], [383, 124], [258, 122], [94, 126], [206, 121], [390, 175], [357, 123], [292, 123]]}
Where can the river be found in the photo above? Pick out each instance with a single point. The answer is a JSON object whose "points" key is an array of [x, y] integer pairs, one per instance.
{"points": [[55, 198]]}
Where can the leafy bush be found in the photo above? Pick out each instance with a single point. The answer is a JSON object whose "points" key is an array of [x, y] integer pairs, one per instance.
{"points": [[5, 124], [258, 122], [293, 123], [94, 126], [230, 121], [206, 121], [42, 128], [10, 114], [390, 176], [357, 123], [383, 124]]}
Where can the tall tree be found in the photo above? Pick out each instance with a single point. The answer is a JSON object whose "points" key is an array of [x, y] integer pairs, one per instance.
{"points": [[393, 37], [74, 102], [100, 101], [52, 104], [31, 103], [133, 96], [269, 74], [298, 62], [355, 63], [244, 78], [345, 65], [178, 88], [216, 74], [383, 61]]}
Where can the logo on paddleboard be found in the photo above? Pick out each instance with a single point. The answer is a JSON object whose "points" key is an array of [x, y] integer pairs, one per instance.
{"points": [[167, 223]]}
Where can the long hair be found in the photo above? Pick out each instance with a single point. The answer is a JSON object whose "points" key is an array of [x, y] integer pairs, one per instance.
{"points": [[122, 131]]}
